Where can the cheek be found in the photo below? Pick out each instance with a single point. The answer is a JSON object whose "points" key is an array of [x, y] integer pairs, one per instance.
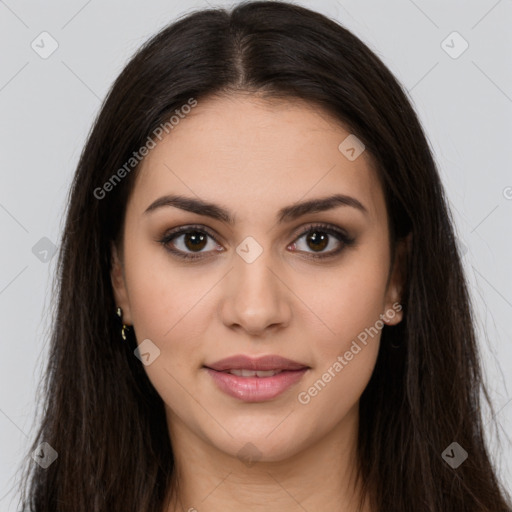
{"points": [[345, 358], [335, 389], [166, 299], [168, 306], [350, 301]]}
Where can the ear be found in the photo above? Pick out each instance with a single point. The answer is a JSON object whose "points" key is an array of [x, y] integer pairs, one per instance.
{"points": [[393, 313], [119, 285]]}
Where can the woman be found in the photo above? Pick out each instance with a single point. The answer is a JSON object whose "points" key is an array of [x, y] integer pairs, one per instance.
{"points": [[260, 304]]}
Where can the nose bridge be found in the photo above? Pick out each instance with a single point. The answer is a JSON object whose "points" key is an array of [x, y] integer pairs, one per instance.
{"points": [[256, 297], [256, 276]]}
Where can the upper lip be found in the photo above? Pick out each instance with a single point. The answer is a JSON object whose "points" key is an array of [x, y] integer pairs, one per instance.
{"points": [[242, 362]]}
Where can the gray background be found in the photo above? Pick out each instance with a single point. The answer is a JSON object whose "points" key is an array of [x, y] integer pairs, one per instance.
{"points": [[47, 107]]}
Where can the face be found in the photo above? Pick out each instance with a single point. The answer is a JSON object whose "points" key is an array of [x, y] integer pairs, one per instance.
{"points": [[264, 277]]}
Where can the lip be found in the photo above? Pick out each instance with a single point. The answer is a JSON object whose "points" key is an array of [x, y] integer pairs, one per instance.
{"points": [[256, 389], [270, 362]]}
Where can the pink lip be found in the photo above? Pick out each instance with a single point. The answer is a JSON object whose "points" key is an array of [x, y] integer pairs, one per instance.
{"points": [[255, 389], [241, 362]]}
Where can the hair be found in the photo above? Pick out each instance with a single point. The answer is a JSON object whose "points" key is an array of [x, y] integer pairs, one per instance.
{"points": [[101, 413]]}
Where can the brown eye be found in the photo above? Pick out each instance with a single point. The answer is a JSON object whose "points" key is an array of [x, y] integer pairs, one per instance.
{"points": [[317, 240], [195, 240], [189, 242]]}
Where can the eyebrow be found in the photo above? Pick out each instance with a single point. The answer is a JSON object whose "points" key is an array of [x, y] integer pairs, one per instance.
{"points": [[286, 214]]}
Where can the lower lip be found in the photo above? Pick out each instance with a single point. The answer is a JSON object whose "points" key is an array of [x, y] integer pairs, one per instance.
{"points": [[255, 389]]}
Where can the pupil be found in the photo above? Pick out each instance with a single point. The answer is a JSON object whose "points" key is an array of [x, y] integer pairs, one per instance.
{"points": [[318, 239], [196, 240]]}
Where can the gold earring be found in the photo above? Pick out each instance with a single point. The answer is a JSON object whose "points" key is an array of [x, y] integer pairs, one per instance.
{"points": [[125, 328]]}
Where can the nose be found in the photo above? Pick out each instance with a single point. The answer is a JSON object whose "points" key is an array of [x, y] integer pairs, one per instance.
{"points": [[255, 296]]}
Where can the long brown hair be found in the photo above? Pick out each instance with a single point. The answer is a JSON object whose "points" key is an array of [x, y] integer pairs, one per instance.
{"points": [[100, 412]]}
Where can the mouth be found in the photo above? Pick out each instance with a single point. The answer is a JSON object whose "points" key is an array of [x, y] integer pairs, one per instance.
{"points": [[256, 385], [255, 380]]}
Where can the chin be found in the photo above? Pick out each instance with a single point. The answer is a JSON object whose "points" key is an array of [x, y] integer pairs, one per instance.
{"points": [[261, 441]]}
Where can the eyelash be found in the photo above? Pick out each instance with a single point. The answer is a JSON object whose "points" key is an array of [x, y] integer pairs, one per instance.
{"points": [[346, 240]]}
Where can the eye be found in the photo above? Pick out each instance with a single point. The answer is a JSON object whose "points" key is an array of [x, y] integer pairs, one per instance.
{"points": [[189, 238], [319, 237]]}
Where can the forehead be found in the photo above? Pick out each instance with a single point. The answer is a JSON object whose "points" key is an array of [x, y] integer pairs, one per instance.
{"points": [[242, 150]]}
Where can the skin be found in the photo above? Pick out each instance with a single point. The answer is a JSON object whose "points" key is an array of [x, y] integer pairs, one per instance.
{"points": [[254, 157]]}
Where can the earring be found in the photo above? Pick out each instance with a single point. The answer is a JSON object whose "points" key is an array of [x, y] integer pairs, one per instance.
{"points": [[125, 328], [395, 345]]}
